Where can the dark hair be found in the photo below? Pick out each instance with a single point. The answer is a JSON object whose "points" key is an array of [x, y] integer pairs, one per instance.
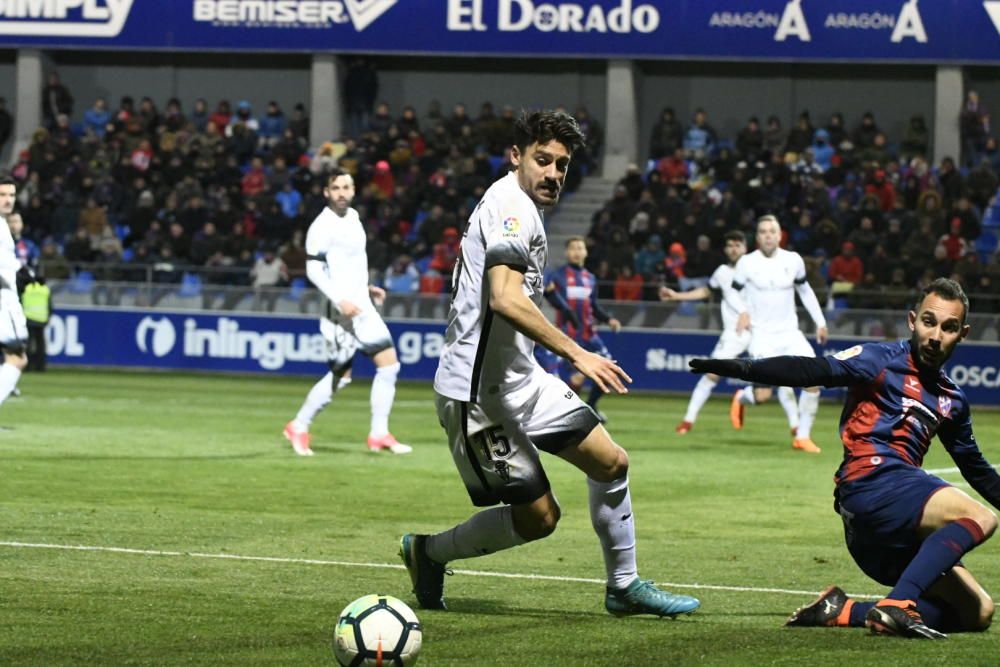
{"points": [[574, 239], [333, 174], [7, 180], [735, 235], [948, 290], [541, 127]]}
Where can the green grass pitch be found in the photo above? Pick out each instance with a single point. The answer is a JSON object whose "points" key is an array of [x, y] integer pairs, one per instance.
{"points": [[194, 466]]}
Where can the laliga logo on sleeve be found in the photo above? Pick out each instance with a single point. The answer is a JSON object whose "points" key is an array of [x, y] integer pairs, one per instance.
{"points": [[64, 18], [511, 227], [164, 336]]}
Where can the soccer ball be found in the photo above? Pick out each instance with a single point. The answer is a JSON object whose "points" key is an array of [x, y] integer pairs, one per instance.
{"points": [[377, 630]]}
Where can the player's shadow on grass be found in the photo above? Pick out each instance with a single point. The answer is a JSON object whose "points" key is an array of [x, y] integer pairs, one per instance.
{"points": [[482, 607]]}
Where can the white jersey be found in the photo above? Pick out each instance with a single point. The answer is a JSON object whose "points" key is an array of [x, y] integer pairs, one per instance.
{"points": [[338, 266], [768, 286], [9, 263], [722, 280], [482, 352]]}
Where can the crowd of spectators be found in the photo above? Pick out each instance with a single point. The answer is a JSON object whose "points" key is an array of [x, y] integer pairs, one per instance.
{"points": [[145, 193], [871, 215]]}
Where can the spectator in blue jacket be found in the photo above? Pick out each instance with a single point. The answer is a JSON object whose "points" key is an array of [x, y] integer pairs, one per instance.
{"points": [[272, 126], [700, 138], [97, 117], [822, 150], [289, 199]]}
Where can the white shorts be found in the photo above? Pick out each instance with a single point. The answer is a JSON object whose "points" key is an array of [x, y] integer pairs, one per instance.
{"points": [[731, 345], [340, 346], [13, 326], [771, 344], [495, 442], [367, 328]]}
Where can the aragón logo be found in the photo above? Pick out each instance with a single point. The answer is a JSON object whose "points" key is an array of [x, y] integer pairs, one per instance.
{"points": [[64, 18], [290, 13]]}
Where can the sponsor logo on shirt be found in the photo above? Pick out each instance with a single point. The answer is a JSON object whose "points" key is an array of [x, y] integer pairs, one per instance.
{"points": [[944, 405]]}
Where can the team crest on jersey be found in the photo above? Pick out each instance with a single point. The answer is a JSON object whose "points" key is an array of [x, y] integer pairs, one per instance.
{"points": [[844, 355], [944, 405], [511, 227]]}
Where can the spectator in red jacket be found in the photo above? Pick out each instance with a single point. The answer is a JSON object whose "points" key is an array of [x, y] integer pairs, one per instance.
{"points": [[628, 285], [955, 246], [847, 267], [255, 180], [883, 189], [675, 261]]}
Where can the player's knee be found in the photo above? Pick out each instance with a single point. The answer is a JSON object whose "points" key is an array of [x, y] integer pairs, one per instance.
{"points": [[540, 523], [19, 361], [547, 522], [983, 517], [987, 520], [986, 609], [615, 468]]}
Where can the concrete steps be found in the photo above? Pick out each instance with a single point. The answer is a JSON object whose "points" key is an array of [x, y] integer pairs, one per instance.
{"points": [[573, 216]]}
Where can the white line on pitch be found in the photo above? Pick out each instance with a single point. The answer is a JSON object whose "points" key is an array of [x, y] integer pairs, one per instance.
{"points": [[394, 566]]}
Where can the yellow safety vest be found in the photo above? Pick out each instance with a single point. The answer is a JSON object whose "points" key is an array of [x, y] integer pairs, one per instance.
{"points": [[35, 302]]}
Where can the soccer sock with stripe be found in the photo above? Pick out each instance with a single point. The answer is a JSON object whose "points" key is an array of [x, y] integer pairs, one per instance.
{"points": [[854, 614], [318, 398], [939, 553], [808, 405], [483, 533], [786, 396], [9, 375], [611, 516], [383, 393], [701, 392]]}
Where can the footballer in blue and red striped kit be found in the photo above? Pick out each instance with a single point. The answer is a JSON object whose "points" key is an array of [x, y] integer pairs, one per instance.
{"points": [[572, 291], [904, 527]]}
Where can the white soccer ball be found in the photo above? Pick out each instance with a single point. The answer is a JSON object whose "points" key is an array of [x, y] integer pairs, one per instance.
{"points": [[377, 630]]}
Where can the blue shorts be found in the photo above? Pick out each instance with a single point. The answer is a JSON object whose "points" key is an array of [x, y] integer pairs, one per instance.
{"points": [[593, 344], [881, 515], [553, 363], [547, 359]]}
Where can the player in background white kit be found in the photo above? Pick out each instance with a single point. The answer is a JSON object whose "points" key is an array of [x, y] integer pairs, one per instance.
{"points": [[338, 266], [499, 408], [766, 281], [13, 326], [731, 344]]}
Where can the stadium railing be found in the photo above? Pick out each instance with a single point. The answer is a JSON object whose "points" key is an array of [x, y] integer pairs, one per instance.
{"points": [[879, 314]]}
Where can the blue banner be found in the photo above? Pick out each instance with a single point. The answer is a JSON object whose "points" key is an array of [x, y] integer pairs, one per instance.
{"points": [[656, 360], [841, 30]]}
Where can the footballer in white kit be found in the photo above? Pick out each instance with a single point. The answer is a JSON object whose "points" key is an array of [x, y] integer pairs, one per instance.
{"points": [[337, 265], [731, 343], [767, 281], [13, 326], [498, 407]]}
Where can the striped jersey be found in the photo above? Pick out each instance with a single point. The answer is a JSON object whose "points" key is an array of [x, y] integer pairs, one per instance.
{"points": [[483, 352], [894, 410], [578, 287]]}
